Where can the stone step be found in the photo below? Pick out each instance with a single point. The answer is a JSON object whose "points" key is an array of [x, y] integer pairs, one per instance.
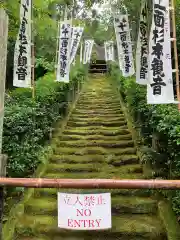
{"points": [[87, 128], [104, 132], [58, 237], [95, 137], [94, 150], [96, 144], [135, 225], [108, 102], [97, 101], [102, 116], [99, 107], [127, 159], [110, 159], [120, 204], [97, 119], [93, 175], [99, 111], [93, 143], [97, 123], [92, 168], [52, 192], [74, 168]]}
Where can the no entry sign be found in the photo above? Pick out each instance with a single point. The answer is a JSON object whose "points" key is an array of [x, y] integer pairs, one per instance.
{"points": [[84, 211]]}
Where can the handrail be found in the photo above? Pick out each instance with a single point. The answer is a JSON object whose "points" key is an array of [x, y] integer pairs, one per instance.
{"points": [[90, 183]]}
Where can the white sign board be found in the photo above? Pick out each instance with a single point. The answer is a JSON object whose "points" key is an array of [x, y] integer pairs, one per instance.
{"points": [[84, 211]]}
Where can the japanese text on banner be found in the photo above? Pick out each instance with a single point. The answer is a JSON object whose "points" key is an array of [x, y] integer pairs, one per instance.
{"points": [[76, 37], [109, 51], [22, 52], [160, 84], [63, 67], [124, 45], [142, 47]]}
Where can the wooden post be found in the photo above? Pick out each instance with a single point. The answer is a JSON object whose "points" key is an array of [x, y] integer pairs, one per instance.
{"points": [[175, 51], [32, 55], [57, 48], [3, 59]]}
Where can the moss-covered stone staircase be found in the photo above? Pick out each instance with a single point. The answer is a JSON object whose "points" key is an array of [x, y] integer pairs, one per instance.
{"points": [[96, 143]]}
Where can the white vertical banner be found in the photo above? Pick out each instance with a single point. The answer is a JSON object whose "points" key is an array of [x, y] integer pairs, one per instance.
{"points": [[81, 53], [22, 51], [109, 51], [105, 50], [142, 46], [91, 43], [86, 49], [63, 66], [123, 38], [76, 37], [160, 83]]}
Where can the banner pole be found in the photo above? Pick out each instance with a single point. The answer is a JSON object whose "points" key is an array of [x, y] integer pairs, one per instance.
{"points": [[175, 51], [32, 54], [57, 48]]}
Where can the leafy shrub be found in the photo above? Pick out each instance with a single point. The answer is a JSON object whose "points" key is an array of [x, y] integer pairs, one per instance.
{"points": [[160, 120], [27, 122]]}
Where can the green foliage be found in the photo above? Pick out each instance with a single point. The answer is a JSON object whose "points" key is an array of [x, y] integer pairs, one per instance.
{"points": [[27, 123], [160, 120]]}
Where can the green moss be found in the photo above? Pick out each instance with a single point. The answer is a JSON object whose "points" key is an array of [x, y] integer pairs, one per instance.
{"points": [[89, 167], [94, 124], [98, 115], [170, 221], [129, 225], [97, 119], [124, 160], [92, 143], [93, 150], [103, 175], [88, 150], [139, 225], [78, 159], [52, 193], [95, 137], [104, 132], [41, 206], [134, 204]]}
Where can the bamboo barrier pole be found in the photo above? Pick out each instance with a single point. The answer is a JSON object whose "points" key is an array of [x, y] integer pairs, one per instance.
{"points": [[90, 183]]}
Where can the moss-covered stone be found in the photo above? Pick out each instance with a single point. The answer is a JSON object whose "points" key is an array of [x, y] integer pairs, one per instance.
{"points": [[94, 150], [129, 225], [78, 159], [94, 137], [134, 205], [101, 143], [74, 168], [104, 132], [96, 144]]}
